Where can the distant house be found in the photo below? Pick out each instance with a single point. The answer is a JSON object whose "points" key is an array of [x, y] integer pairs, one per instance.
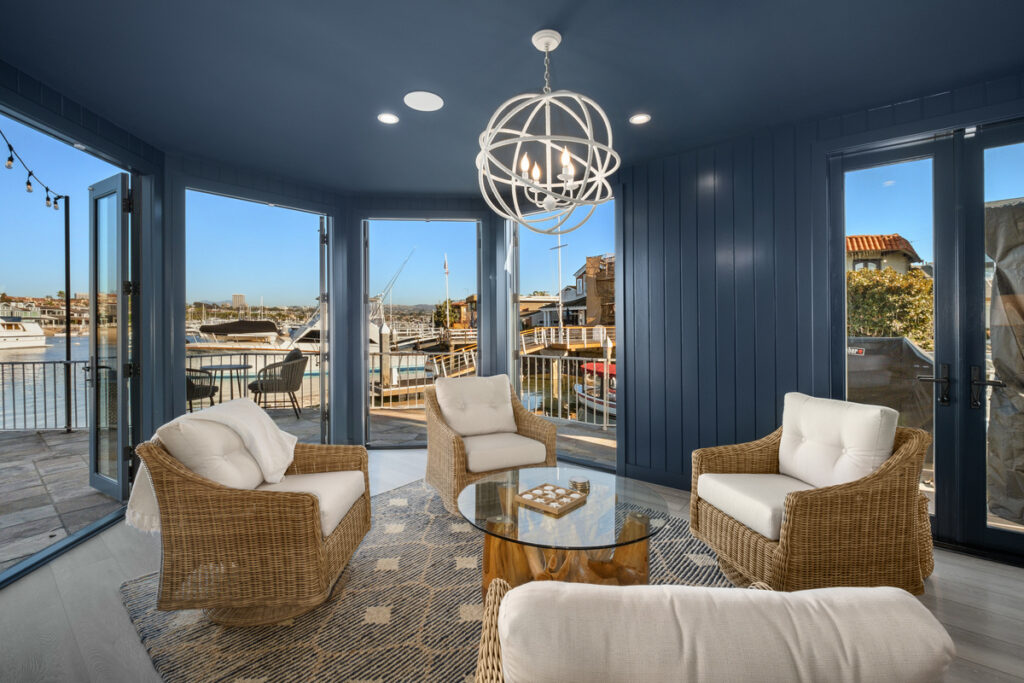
{"points": [[878, 252], [464, 313], [591, 301], [530, 306]]}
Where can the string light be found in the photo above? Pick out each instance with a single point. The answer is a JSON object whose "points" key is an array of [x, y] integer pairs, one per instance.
{"points": [[52, 198]]}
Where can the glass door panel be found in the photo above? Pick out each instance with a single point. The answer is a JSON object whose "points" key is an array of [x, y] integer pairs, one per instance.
{"points": [[890, 295], [108, 321], [997, 386]]}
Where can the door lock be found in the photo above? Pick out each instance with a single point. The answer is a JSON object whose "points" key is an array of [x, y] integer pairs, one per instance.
{"points": [[942, 379], [978, 381]]}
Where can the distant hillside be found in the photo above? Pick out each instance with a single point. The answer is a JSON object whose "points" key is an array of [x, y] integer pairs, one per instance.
{"points": [[412, 308]]}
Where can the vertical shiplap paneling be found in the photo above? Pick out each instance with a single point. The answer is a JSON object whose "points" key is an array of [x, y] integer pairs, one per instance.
{"points": [[673, 323], [707, 343], [743, 254], [785, 263], [725, 296], [764, 284], [804, 222], [687, 309], [656, 319], [641, 350]]}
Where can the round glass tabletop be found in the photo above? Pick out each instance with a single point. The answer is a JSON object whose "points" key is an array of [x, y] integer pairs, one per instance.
{"points": [[618, 511]]}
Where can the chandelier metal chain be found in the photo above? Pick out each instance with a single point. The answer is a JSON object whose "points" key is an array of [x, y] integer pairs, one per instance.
{"points": [[547, 71], [546, 158]]}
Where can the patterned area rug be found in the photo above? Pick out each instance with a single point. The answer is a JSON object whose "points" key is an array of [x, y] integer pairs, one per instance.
{"points": [[408, 607]]}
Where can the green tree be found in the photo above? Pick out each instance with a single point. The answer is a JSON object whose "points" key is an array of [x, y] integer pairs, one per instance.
{"points": [[60, 294], [443, 312], [884, 303], [4, 298]]}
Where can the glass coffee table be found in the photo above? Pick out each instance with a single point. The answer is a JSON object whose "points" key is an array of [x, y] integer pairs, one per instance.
{"points": [[604, 541]]}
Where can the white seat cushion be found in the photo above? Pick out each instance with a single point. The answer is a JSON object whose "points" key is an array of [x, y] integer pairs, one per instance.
{"points": [[826, 442], [337, 491], [496, 451], [211, 450], [552, 632], [476, 405], [757, 501]]}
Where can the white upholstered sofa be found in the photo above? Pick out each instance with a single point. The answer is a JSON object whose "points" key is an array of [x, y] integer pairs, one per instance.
{"points": [[551, 632]]}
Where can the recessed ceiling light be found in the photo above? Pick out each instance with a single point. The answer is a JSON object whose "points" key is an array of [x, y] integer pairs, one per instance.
{"points": [[421, 100], [78, 145], [387, 117], [639, 119]]}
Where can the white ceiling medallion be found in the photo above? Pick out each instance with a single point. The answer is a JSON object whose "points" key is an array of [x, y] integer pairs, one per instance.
{"points": [[421, 100], [545, 159]]}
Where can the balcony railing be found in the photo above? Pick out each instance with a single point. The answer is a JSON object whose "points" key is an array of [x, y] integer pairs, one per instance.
{"points": [[32, 395], [569, 337]]}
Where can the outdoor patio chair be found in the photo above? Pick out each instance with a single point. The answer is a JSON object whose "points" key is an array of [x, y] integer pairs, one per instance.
{"points": [[831, 498], [480, 427], [284, 377], [199, 385]]}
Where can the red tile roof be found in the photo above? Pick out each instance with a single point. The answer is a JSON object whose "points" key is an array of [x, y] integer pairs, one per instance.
{"points": [[894, 242]]}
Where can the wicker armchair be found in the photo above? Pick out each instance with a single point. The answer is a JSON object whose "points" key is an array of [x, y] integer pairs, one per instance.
{"points": [[284, 377], [870, 532], [251, 557], [199, 385], [447, 469]]}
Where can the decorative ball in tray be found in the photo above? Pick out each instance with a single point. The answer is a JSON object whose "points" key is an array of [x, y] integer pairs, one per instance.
{"points": [[551, 499]]}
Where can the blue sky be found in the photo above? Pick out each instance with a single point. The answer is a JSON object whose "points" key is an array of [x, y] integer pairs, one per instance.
{"points": [[422, 280], [31, 235], [898, 197], [237, 247]]}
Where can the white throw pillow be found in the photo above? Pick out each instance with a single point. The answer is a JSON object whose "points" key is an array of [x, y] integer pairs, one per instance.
{"points": [[827, 442], [211, 450], [476, 405]]}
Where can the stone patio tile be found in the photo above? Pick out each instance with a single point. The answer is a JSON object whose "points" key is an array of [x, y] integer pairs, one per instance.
{"points": [[92, 499], [23, 498], [78, 519], [19, 548], [60, 463], [26, 515]]}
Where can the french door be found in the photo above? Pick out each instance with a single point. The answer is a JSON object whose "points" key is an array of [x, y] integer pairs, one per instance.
{"points": [[110, 365], [934, 310]]}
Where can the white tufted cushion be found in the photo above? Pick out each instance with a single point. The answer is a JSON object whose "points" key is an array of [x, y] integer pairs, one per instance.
{"points": [[337, 492], [211, 450], [826, 442], [476, 405], [552, 632], [758, 501]]}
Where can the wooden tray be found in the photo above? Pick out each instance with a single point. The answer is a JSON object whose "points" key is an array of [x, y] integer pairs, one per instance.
{"points": [[555, 504]]}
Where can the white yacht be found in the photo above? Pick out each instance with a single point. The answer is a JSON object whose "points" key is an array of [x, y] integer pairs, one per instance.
{"points": [[16, 333]]}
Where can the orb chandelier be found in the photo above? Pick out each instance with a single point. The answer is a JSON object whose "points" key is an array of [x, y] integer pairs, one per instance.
{"points": [[545, 158]]}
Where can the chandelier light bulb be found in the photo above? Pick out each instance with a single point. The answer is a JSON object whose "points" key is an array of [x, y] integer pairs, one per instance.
{"points": [[566, 158], [524, 165], [536, 172]]}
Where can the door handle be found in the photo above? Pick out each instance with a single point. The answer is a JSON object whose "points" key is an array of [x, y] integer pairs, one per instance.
{"points": [[941, 379], [977, 382]]}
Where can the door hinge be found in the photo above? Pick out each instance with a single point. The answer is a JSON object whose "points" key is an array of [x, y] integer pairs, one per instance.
{"points": [[324, 238], [131, 370], [130, 288], [126, 202], [323, 298]]}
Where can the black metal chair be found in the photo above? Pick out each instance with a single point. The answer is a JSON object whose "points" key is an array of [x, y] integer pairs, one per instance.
{"points": [[284, 377], [199, 385]]}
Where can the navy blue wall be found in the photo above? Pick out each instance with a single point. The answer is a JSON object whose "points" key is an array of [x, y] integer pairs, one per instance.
{"points": [[728, 296]]}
